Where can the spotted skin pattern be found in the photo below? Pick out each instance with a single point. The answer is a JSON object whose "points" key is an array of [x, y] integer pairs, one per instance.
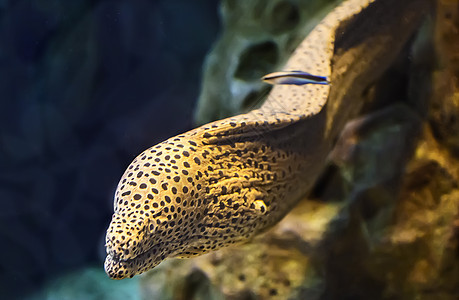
{"points": [[229, 180]]}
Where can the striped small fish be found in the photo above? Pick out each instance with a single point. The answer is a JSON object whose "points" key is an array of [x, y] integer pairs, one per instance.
{"points": [[294, 77]]}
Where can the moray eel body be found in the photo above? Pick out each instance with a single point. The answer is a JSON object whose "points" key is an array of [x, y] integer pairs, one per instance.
{"points": [[227, 181]]}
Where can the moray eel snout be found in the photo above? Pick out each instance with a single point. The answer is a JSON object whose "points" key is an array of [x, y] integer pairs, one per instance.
{"points": [[126, 245], [124, 239], [147, 210]]}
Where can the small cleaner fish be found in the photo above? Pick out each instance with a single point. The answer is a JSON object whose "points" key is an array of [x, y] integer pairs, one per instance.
{"points": [[294, 77]]}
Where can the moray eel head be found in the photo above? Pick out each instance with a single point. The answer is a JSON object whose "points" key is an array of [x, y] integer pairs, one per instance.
{"points": [[188, 196], [175, 200]]}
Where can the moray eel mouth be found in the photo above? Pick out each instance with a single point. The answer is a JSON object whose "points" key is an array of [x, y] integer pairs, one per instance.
{"points": [[118, 268]]}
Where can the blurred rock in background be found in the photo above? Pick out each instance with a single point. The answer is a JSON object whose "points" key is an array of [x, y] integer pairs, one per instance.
{"points": [[85, 86]]}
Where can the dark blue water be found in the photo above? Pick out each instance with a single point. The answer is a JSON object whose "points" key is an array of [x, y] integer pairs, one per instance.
{"points": [[85, 86]]}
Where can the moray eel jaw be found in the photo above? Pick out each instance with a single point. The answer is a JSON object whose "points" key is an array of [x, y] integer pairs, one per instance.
{"points": [[125, 247], [134, 246], [117, 268]]}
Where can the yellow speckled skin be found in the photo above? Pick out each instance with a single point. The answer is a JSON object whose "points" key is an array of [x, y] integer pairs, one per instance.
{"points": [[229, 180]]}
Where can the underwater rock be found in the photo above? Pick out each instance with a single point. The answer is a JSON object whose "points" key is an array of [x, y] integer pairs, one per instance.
{"points": [[258, 37], [443, 113], [416, 256]]}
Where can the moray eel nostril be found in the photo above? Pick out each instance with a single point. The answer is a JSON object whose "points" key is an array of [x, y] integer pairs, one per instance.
{"points": [[227, 181]]}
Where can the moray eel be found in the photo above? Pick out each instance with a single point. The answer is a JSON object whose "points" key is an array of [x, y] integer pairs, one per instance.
{"points": [[227, 181]]}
